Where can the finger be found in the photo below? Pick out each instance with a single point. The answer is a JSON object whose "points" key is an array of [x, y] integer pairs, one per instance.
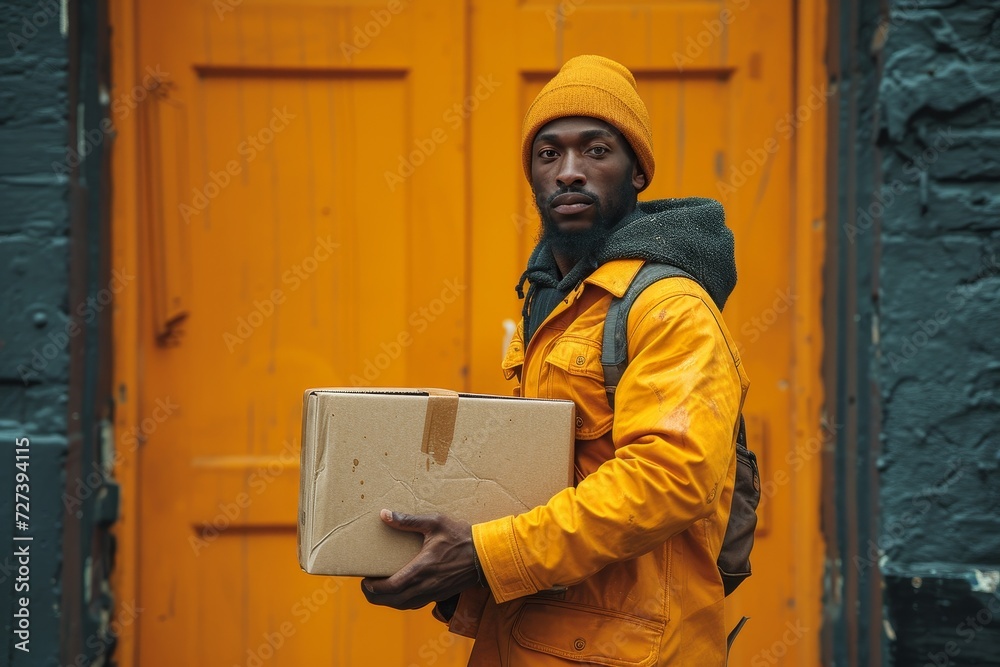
{"points": [[372, 587], [401, 589], [383, 593], [411, 523], [375, 593], [400, 582], [405, 583]]}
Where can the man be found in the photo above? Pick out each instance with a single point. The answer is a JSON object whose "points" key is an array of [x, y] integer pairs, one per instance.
{"points": [[620, 569]]}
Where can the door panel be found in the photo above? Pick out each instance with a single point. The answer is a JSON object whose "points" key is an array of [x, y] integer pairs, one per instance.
{"points": [[306, 262], [717, 80], [343, 204]]}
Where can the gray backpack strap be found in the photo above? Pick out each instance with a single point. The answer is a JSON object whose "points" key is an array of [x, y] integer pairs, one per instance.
{"points": [[614, 346], [734, 558]]}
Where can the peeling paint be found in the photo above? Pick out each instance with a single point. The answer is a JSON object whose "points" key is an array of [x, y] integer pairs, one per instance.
{"points": [[889, 632], [986, 582]]}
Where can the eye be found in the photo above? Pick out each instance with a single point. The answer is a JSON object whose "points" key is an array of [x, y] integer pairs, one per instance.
{"points": [[547, 153], [599, 151]]}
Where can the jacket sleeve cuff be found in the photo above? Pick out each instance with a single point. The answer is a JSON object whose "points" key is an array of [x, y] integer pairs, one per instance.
{"points": [[501, 560]]}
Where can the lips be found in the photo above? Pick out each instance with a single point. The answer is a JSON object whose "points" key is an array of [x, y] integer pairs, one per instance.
{"points": [[571, 202]]}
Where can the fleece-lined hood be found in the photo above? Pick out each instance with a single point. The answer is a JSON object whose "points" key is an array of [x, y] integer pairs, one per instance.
{"points": [[688, 233]]}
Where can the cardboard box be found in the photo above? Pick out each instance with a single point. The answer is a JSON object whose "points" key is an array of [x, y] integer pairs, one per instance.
{"points": [[419, 451]]}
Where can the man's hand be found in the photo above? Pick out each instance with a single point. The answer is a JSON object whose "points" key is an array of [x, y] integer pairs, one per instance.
{"points": [[444, 567]]}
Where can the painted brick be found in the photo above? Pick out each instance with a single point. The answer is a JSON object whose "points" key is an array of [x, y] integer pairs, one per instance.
{"points": [[30, 26], [44, 405], [37, 210], [973, 157], [935, 83], [33, 292], [32, 306], [937, 362]]}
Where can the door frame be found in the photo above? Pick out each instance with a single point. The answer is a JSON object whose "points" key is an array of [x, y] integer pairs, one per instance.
{"points": [[809, 222], [808, 205], [126, 363]]}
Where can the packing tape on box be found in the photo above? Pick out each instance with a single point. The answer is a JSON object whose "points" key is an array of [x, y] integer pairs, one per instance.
{"points": [[439, 424]]}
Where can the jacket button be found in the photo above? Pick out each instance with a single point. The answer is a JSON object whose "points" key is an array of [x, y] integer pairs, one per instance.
{"points": [[580, 361], [580, 644], [579, 422]]}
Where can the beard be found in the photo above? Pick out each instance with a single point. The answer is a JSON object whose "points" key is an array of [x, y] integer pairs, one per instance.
{"points": [[579, 243]]}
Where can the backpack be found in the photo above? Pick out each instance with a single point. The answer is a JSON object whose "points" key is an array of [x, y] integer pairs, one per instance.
{"points": [[734, 559]]}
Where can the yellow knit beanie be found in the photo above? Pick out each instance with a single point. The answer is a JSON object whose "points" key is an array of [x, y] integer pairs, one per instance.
{"points": [[595, 87]]}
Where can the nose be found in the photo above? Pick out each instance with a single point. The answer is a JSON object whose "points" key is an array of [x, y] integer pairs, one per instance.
{"points": [[570, 171]]}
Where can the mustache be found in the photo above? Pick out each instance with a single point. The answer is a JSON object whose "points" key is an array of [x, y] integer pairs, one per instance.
{"points": [[572, 190]]}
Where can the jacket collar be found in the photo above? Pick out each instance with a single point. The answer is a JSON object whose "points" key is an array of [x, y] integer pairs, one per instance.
{"points": [[615, 276]]}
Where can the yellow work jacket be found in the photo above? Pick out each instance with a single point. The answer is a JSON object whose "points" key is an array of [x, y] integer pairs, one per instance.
{"points": [[621, 568]]}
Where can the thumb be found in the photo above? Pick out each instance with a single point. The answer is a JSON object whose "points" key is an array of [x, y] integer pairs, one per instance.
{"points": [[407, 522]]}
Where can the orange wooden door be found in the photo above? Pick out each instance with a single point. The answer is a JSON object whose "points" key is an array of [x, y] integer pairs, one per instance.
{"points": [[330, 193], [300, 223], [717, 78]]}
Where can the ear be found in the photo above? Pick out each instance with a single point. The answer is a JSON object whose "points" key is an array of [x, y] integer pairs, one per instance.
{"points": [[638, 177]]}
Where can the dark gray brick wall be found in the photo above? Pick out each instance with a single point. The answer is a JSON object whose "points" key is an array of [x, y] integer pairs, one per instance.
{"points": [[937, 339], [34, 215]]}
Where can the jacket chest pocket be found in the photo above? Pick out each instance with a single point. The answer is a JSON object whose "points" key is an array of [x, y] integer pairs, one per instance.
{"points": [[573, 371]]}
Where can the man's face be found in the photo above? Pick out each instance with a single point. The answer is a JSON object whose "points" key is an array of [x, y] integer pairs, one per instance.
{"points": [[585, 178]]}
